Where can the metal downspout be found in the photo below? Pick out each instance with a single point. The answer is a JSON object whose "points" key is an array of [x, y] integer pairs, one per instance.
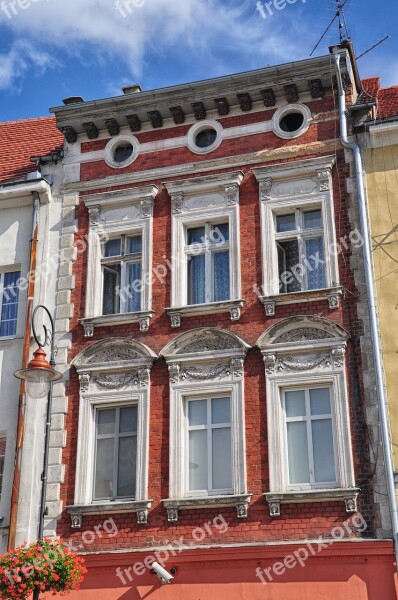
{"points": [[25, 359], [381, 397]]}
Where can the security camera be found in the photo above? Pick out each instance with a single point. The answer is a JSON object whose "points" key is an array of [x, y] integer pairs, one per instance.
{"points": [[163, 575]]}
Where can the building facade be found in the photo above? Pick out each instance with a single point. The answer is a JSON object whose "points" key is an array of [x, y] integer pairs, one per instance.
{"points": [[27, 239], [217, 413], [380, 146]]}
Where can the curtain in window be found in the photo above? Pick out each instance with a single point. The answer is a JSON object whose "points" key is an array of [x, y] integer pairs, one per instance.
{"points": [[9, 309], [315, 278], [111, 299], [288, 259], [221, 276], [196, 279], [133, 295]]}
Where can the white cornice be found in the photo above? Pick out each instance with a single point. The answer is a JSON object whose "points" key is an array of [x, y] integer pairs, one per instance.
{"points": [[383, 134]]}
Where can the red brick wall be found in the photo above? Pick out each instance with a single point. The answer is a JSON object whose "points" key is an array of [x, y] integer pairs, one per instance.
{"points": [[297, 520]]}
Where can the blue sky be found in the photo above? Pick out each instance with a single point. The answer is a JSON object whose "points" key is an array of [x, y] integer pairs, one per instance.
{"points": [[51, 49]]}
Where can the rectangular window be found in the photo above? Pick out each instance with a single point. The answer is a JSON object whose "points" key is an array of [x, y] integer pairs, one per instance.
{"points": [[209, 445], [9, 295], [300, 248], [122, 275], [309, 432], [208, 263], [2, 459], [115, 452]]}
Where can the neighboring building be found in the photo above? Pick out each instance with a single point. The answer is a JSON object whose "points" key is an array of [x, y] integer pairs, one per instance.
{"points": [[217, 410], [381, 163], [26, 240]]}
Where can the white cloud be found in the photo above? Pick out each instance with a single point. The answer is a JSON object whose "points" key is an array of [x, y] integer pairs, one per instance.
{"points": [[22, 57], [136, 30]]}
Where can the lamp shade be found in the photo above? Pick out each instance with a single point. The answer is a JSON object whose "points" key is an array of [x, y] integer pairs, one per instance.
{"points": [[38, 375]]}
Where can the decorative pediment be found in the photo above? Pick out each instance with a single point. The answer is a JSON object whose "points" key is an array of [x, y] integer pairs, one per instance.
{"points": [[302, 331], [206, 341], [113, 352]]}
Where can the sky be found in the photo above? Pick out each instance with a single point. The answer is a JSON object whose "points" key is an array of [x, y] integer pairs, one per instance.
{"points": [[52, 49]]}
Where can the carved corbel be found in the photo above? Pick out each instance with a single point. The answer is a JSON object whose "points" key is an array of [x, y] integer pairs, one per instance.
{"points": [[235, 313], [76, 521], [269, 307], [143, 376], [270, 362], [174, 373], [84, 381], [94, 214], [172, 515], [237, 367], [242, 511], [142, 517], [147, 207], [175, 320], [323, 178], [88, 331], [265, 189], [232, 192], [144, 324], [177, 200], [274, 509]]}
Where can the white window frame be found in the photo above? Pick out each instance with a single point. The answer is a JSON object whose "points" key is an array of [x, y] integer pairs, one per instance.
{"points": [[209, 249], [308, 421], [117, 435], [3, 273], [111, 215], [209, 428], [286, 187], [124, 260], [211, 199], [179, 478]]}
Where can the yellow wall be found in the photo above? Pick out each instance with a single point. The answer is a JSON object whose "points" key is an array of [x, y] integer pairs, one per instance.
{"points": [[382, 184]]}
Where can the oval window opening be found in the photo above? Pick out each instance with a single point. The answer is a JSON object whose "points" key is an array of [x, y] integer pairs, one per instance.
{"points": [[205, 138], [291, 122], [123, 152]]}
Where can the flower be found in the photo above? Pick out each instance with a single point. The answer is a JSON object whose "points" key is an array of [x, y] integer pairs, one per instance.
{"points": [[46, 564]]}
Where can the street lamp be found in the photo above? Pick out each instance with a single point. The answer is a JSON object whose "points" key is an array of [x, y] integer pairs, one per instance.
{"points": [[39, 377]]}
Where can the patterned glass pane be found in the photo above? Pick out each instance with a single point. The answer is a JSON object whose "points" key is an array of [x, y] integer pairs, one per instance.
{"points": [[134, 285], [111, 299], [288, 261], [9, 296], [221, 276], [316, 271], [196, 279]]}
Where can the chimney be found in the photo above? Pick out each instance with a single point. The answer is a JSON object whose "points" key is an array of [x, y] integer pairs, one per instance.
{"points": [[72, 100], [132, 89]]}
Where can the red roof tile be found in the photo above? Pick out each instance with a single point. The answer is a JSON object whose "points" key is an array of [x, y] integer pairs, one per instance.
{"points": [[19, 140], [387, 98]]}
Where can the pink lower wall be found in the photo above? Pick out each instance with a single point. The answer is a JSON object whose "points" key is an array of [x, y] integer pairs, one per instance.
{"points": [[362, 570]]}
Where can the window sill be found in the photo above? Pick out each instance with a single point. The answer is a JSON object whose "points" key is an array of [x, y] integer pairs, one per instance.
{"points": [[141, 507], [241, 502], [231, 306], [348, 495], [332, 295], [91, 323]]}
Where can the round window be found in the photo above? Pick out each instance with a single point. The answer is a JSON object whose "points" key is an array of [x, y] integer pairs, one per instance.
{"points": [[123, 152], [291, 122], [205, 138]]}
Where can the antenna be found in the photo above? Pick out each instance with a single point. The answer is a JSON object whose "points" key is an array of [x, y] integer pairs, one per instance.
{"points": [[386, 37], [342, 24]]}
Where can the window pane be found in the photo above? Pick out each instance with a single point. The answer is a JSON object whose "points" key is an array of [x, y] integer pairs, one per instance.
{"points": [[220, 233], [285, 223], [312, 218], [112, 248], [111, 299], [320, 401], [106, 421], [196, 279], [220, 410], [134, 244], [221, 459], [9, 311], [288, 259], [197, 412], [322, 439], [295, 403], [104, 468], [316, 273], [198, 460], [221, 276], [196, 235], [127, 466], [133, 292], [299, 471], [128, 419]]}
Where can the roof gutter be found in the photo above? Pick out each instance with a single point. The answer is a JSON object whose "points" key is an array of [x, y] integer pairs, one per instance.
{"points": [[374, 329]]}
